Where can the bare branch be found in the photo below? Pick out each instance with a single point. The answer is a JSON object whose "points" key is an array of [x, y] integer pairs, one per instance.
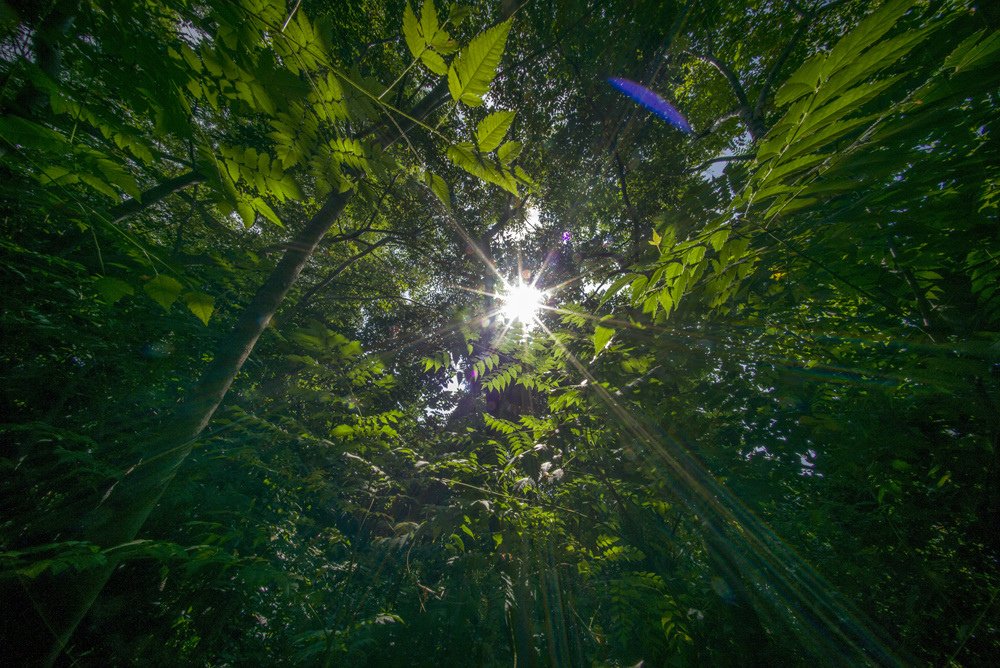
{"points": [[728, 73], [338, 270]]}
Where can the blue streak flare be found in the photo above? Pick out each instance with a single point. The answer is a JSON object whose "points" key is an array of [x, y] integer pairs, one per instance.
{"points": [[651, 101]]}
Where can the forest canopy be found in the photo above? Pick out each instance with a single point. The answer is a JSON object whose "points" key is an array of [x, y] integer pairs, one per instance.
{"points": [[517, 332]]}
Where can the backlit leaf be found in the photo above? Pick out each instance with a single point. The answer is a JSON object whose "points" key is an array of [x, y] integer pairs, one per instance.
{"points": [[200, 304], [164, 290], [474, 68], [492, 130]]}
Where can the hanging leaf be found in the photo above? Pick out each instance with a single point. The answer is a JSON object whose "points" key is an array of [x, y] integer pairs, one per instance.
{"points": [[164, 290], [411, 32], [434, 62], [509, 151], [458, 13], [265, 210], [112, 289], [602, 335], [246, 211], [200, 304], [465, 156], [428, 20], [438, 187]]}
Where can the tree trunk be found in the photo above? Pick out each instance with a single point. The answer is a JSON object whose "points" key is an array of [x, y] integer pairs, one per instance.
{"points": [[61, 602], [118, 519]]}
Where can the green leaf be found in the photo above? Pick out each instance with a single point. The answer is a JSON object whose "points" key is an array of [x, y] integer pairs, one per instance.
{"points": [[492, 130], [876, 59], [116, 175], [200, 304], [694, 255], [342, 431], [972, 53], [464, 155], [99, 185], [246, 211], [616, 287], [508, 152], [233, 169], [474, 68], [18, 131], [164, 290], [265, 210], [438, 187], [803, 81], [434, 62], [458, 13], [57, 174], [869, 31], [666, 301], [843, 102], [673, 270], [429, 20], [112, 289], [36, 569], [602, 335], [718, 239]]}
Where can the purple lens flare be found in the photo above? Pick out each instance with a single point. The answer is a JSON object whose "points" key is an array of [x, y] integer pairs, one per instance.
{"points": [[651, 101]]}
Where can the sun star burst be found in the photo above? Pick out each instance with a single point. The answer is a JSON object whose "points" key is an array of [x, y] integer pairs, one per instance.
{"points": [[522, 303]]}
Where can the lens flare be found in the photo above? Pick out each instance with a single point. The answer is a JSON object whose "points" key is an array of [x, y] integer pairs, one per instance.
{"points": [[521, 303]]}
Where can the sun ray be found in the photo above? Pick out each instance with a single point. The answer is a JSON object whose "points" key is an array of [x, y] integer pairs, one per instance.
{"points": [[766, 558]]}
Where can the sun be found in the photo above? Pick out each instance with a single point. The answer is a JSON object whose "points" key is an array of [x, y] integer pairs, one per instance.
{"points": [[522, 303]]}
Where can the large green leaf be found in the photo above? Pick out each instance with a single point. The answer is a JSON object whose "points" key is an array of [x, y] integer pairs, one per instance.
{"points": [[473, 70], [164, 290], [429, 25], [411, 32], [869, 31], [465, 156], [492, 130], [200, 304]]}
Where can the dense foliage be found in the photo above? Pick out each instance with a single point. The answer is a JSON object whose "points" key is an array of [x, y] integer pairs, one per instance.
{"points": [[265, 400]]}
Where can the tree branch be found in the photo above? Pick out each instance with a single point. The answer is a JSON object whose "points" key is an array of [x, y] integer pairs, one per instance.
{"points": [[338, 270], [744, 110], [154, 195], [727, 72]]}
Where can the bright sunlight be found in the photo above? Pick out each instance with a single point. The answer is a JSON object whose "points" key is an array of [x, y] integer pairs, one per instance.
{"points": [[521, 303]]}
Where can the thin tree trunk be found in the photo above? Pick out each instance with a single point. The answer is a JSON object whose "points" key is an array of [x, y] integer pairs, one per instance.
{"points": [[119, 517]]}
